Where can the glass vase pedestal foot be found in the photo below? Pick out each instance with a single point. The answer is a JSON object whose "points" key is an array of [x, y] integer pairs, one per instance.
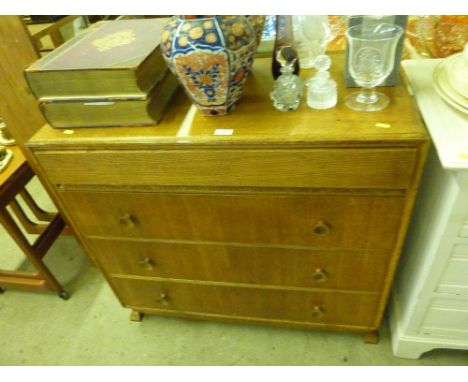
{"points": [[367, 101]]}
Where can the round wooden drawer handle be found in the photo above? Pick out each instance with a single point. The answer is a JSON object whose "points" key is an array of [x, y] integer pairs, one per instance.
{"points": [[318, 312], [163, 298], [320, 275], [127, 220], [322, 228], [147, 263]]}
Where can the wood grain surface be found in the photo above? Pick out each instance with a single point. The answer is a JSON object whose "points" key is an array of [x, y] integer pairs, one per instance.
{"points": [[239, 227], [336, 308], [257, 265], [255, 122], [384, 168], [18, 107], [355, 222], [16, 162]]}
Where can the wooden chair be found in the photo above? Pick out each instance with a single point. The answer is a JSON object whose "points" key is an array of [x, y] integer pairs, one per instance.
{"points": [[18, 108], [12, 185], [54, 32]]}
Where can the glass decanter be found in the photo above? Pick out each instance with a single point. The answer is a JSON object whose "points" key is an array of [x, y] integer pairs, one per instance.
{"points": [[287, 89], [310, 35], [322, 93]]}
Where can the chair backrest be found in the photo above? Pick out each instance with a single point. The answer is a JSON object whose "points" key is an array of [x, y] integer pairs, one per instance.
{"points": [[55, 32]]}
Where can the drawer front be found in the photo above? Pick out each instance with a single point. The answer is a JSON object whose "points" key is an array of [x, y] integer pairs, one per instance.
{"points": [[464, 230], [341, 269], [326, 168], [447, 318], [464, 226], [273, 304], [324, 221], [455, 277]]}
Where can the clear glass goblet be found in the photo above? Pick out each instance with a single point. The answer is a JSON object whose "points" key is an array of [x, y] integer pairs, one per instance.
{"points": [[371, 60]]}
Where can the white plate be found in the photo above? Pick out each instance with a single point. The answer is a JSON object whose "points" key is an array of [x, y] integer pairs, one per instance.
{"points": [[446, 83], [457, 73], [445, 90]]}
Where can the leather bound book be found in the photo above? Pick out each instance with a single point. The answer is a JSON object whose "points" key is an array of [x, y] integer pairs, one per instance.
{"points": [[112, 111], [121, 58]]}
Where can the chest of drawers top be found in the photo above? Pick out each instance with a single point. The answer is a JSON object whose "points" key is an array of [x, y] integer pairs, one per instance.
{"points": [[255, 123]]}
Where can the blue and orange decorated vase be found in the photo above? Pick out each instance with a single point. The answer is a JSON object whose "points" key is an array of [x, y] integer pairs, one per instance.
{"points": [[258, 22], [211, 56]]}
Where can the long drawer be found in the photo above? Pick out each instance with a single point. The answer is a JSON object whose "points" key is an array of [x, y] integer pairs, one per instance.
{"points": [[464, 227], [464, 230], [447, 317], [341, 269], [324, 168], [315, 220], [322, 307], [454, 279]]}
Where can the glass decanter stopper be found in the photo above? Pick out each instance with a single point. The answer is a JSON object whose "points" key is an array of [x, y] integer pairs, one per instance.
{"points": [[322, 93], [287, 89]]}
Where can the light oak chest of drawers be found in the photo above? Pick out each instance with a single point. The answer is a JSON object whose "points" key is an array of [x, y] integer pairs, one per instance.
{"points": [[292, 219]]}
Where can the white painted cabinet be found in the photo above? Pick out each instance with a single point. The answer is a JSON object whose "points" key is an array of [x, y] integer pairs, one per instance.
{"points": [[429, 304]]}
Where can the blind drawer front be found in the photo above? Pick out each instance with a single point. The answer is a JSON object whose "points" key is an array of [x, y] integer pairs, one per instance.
{"points": [[455, 277], [333, 269], [464, 230], [274, 304], [448, 318], [362, 222], [324, 168]]}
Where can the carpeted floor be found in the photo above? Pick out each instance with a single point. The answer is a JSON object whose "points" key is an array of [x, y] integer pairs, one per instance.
{"points": [[93, 329]]}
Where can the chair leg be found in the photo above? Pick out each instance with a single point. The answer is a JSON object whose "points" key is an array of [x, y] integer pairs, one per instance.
{"points": [[41, 214], [43, 272], [38, 212], [30, 226]]}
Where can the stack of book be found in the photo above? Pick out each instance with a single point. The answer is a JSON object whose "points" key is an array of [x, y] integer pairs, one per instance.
{"points": [[111, 75]]}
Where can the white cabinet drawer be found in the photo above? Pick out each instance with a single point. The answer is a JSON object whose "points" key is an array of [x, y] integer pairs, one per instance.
{"points": [[460, 250], [447, 318], [454, 279], [464, 230], [463, 208]]}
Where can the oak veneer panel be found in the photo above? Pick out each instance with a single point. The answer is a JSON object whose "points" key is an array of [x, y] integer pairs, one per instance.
{"points": [[344, 269], [360, 222], [339, 308], [17, 105], [230, 222], [256, 122], [330, 168], [16, 162]]}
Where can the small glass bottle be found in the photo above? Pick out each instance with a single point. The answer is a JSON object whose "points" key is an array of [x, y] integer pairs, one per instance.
{"points": [[287, 89], [322, 93]]}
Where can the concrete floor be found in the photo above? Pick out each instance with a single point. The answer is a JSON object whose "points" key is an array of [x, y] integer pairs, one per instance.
{"points": [[93, 329]]}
